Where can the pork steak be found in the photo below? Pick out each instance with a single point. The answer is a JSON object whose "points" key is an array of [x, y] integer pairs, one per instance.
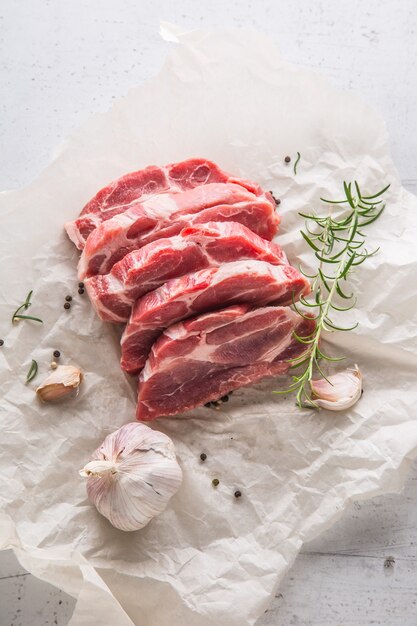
{"points": [[206, 357], [195, 248], [116, 197], [253, 282], [166, 215]]}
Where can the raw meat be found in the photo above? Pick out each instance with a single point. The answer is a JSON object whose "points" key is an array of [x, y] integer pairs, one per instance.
{"points": [[205, 358], [116, 197], [167, 214], [195, 248], [254, 282]]}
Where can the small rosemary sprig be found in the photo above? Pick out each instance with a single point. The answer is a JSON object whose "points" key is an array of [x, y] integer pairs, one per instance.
{"points": [[338, 242], [24, 307]]}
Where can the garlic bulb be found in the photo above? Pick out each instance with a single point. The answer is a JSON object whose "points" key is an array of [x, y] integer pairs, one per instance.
{"points": [[132, 476], [65, 379], [342, 392]]}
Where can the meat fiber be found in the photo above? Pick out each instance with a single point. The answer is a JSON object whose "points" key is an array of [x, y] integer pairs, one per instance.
{"points": [[206, 357], [253, 282], [195, 248], [166, 215], [116, 197]]}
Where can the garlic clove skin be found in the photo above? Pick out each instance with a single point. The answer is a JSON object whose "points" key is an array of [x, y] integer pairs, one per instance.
{"points": [[64, 380], [342, 392], [132, 476]]}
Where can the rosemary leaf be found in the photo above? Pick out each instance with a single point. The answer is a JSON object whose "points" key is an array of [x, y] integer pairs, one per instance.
{"points": [[33, 370], [296, 162], [27, 317]]}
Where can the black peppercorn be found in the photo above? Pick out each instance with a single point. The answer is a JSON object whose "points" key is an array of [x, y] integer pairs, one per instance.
{"points": [[276, 200], [225, 399], [237, 493], [81, 291], [67, 305], [81, 285], [207, 405], [1, 342], [215, 482], [203, 456], [57, 354], [287, 159], [68, 298]]}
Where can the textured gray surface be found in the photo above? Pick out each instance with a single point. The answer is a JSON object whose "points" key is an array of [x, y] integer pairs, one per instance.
{"points": [[62, 60]]}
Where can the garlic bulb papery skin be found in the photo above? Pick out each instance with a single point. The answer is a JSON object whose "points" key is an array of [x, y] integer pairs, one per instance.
{"points": [[133, 475], [64, 380], [343, 392]]}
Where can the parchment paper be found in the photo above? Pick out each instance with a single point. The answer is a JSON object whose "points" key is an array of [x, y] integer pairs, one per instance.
{"points": [[208, 559]]}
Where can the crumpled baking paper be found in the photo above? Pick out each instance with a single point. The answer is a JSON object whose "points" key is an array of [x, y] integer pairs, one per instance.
{"points": [[209, 559]]}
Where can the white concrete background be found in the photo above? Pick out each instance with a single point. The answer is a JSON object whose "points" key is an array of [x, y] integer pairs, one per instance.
{"points": [[63, 59]]}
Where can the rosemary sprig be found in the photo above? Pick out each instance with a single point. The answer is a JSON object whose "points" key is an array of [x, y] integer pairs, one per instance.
{"points": [[33, 370], [338, 245], [24, 307]]}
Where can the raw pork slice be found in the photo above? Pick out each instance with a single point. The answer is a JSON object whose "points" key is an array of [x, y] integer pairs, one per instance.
{"points": [[205, 358], [253, 282], [116, 197], [195, 248], [166, 215]]}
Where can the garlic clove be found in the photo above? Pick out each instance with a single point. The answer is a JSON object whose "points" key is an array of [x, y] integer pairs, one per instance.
{"points": [[98, 468], [132, 476], [64, 380], [342, 392]]}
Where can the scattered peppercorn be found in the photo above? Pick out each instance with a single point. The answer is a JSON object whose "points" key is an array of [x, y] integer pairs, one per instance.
{"points": [[81, 291], [81, 285], [238, 493], [203, 456], [215, 482], [287, 159], [225, 399], [57, 354], [68, 298], [67, 305], [54, 365], [1, 342], [207, 405], [276, 200]]}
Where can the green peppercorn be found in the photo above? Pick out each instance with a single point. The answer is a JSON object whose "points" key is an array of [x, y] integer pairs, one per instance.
{"points": [[215, 482]]}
